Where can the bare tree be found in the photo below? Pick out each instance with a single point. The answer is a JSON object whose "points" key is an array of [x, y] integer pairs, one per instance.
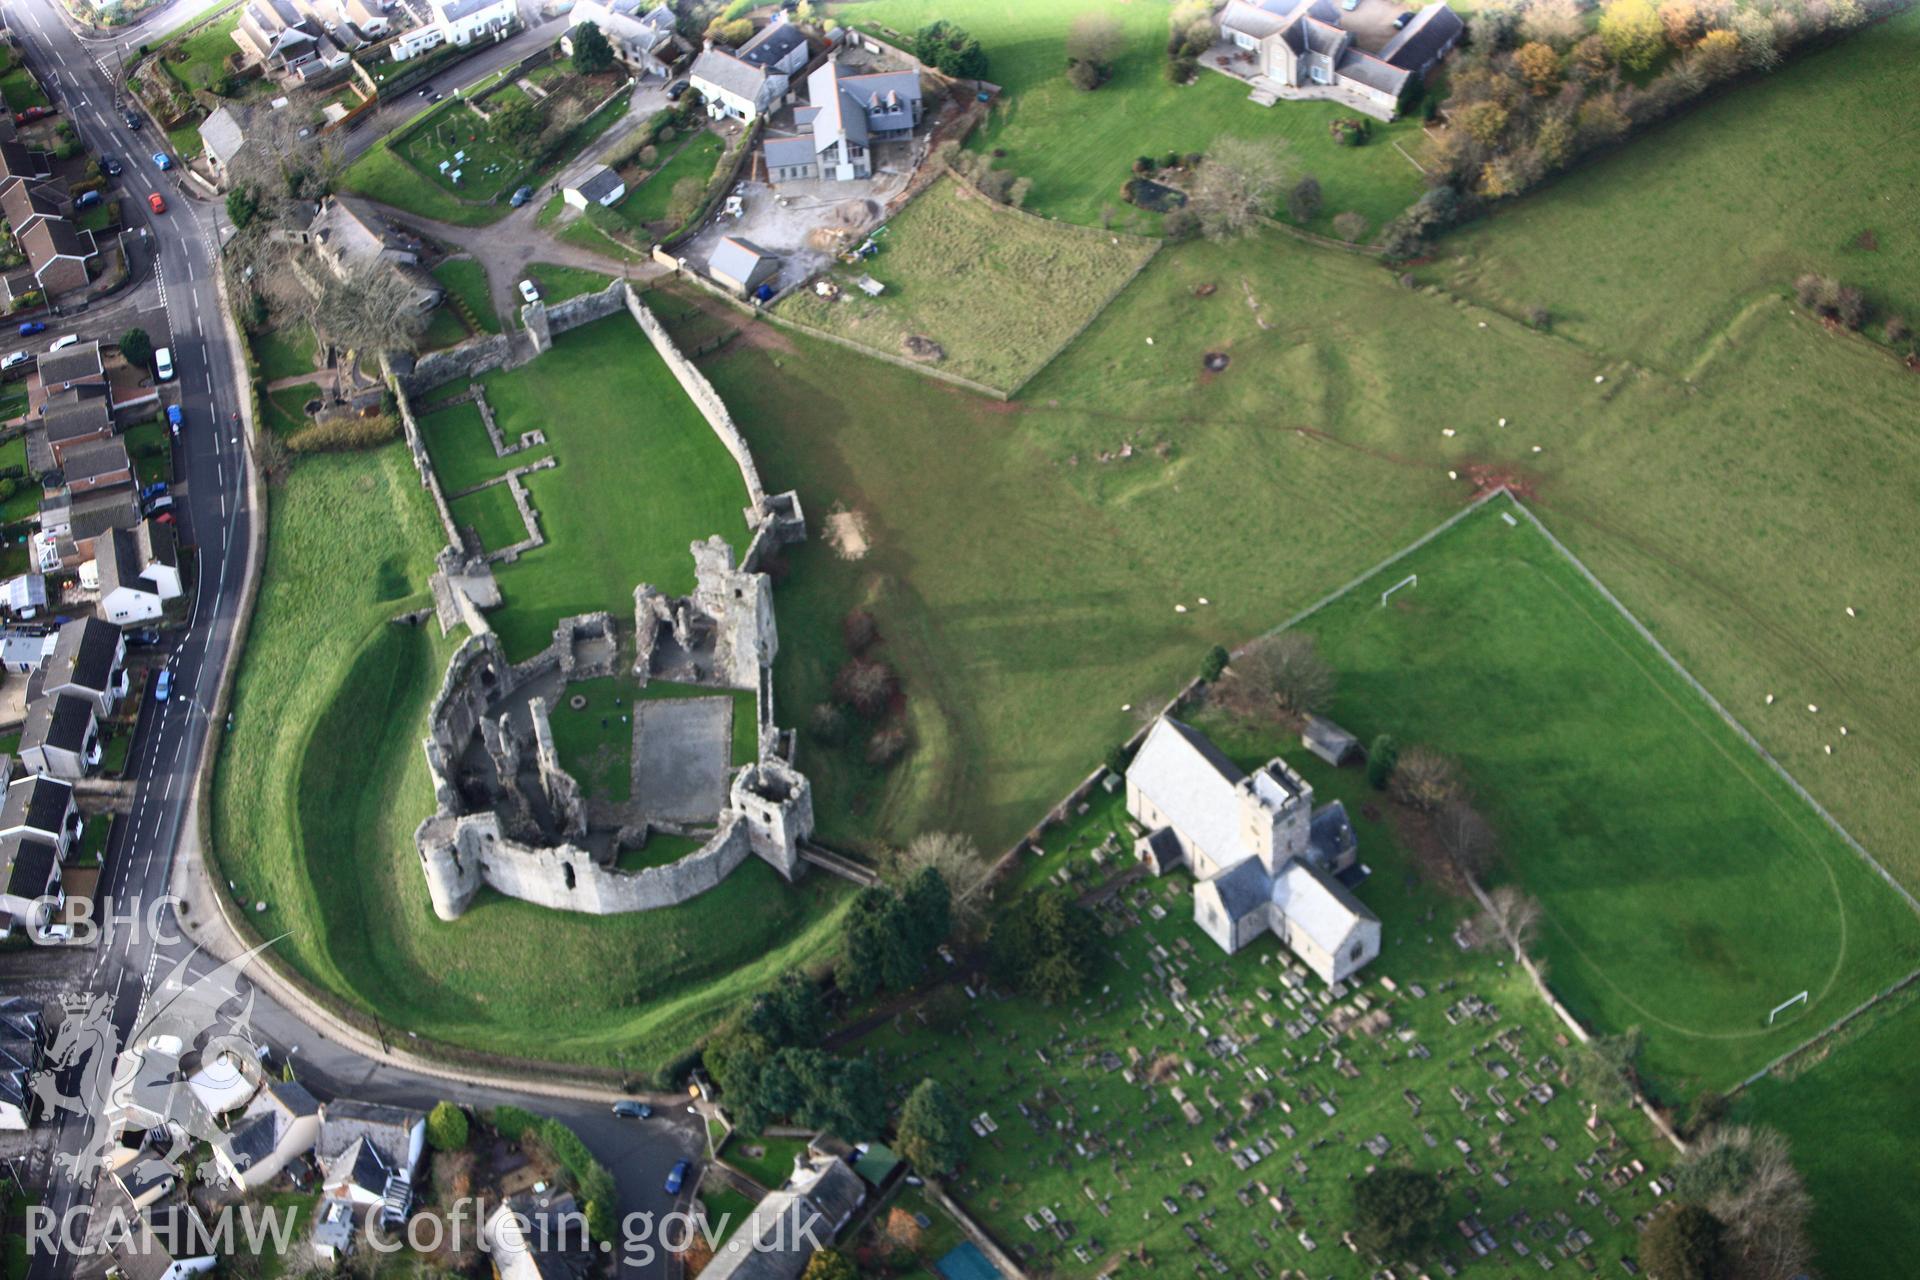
{"points": [[1425, 779], [1512, 918], [1745, 1176], [1466, 837], [1285, 674], [1237, 186], [1350, 226], [957, 858], [371, 312], [1094, 40], [285, 160]]}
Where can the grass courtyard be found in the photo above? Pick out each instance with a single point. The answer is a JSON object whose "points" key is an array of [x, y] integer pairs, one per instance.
{"points": [[1080, 147], [595, 741], [999, 293], [462, 454], [1087, 1126], [693, 157], [492, 514]]}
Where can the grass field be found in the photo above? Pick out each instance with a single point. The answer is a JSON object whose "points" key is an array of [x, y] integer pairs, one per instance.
{"points": [[466, 280], [286, 409], [557, 284], [462, 455], [204, 53], [1851, 1110], [1000, 293], [1095, 1139], [1080, 147], [460, 140], [492, 514], [325, 837], [640, 477], [771, 1161], [284, 353], [695, 158], [1660, 845]]}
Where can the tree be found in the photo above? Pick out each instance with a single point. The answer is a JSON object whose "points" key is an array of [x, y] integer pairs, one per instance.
{"points": [[1094, 40], [592, 51], [949, 49], [1215, 664], [867, 685], [1395, 1210], [1633, 33], [932, 1133], [1539, 66], [519, 123], [1685, 1243], [243, 206], [821, 1090], [1046, 945], [1605, 1068], [1425, 779], [1682, 22], [1286, 673], [957, 860], [1350, 226], [858, 630], [731, 32], [371, 313], [1381, 758], [684, 200], [1303, 200], [1745, 1176], [1553, 22], [1466, 838], [792, 1012], [888, 936], [929, 909], [136, 348], [447, 1127], [828, 1264], [1236, 186], [1512, 917], [1190, 30]]}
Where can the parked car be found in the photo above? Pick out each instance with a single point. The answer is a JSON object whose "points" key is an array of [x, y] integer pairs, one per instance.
{"points": [[1403, 20], [163, 363], [677, 1176], [87, 199], [175, 420], [165, 517], [153, 490], [62, 342], [162, 503], [14, 360], [31, 114], [676, 89], [146, 637], [628, 1109], [32, 327], [56, 933], [528, 292], [426, 91], [521, 196], [163, 685], [111, 167], [162, 161], [132, 118]]}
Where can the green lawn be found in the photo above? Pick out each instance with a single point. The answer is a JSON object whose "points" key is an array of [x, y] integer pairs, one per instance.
{"points": [[695, 158], [197, 60], [284, 353], [724, 1210], [595, 742], [444, 329], [1080, 147], [1077, 1138], [462, 455], [286, 409], [21, 90], [151, 451], [24, 502], [383, 176], [999, 293], [557, 284], [466, 280], [641, 475], [1850, 1112], [1661, 846], [772, 1162], [492, 514], [456, 140]]}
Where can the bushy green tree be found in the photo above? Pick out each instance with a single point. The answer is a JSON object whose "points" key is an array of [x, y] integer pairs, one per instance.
{"points": [[951, 50], [592, 52], [243, 206], [932, 1131], [447, 1127], [1216, 663], [1381, 757], [1395, 1210], [1687, 1243], [136, 347], [1046, 946]]}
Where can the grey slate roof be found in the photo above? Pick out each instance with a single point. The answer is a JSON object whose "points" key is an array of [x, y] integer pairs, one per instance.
{"points": [[1330, 836], [1422, 40], [390, 1129], [737, 259], [1318, 904], [77, 411], [1374, 73], [598, 184], [29, 865], [727, 72], [1327, 740], [253, 1138], [36, 803], [1163, 847], [772, 44], [95, 459], [60, 721], [293, 1095], [84, 655], [223, 134], [787, 152], [1192, 783], [75, 363], [1244, 889]]}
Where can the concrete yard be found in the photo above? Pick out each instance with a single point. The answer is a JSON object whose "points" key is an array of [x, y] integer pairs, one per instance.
{"points": [[681, 750]]}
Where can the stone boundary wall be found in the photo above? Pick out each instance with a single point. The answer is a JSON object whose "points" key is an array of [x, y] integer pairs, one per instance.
{"points": [[701, 392], [417, 447]]}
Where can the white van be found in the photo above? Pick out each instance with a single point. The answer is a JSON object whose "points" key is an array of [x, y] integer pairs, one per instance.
{"points": [[163, 363]]}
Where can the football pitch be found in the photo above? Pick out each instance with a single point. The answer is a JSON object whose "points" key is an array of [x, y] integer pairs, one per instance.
{"points": [[1687, 889]]}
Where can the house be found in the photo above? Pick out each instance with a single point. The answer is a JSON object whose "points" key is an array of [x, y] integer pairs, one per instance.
{"points": [[790, 1224], [24, 652], [71, 417], [24, 595], [29, 884], [138, 571], [61, 737], [71, 366], [26, 203], [464, 21], [22, 1032], [368, 1153], [738, 87], [350, 238], [1300, 44], [280, 1124], [223, 135], [18, 160], [164, 1244], [742, 265], [88, 661], [69, 526], [275, 34], [98, 464], [58, 253], [1264, 859], [844, 116], [37, 807], [643, 42], [600, 185], [366, 16], [539, 1237]]}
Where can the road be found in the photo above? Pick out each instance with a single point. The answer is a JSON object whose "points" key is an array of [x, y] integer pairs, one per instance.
{"points": [[180, 305]]}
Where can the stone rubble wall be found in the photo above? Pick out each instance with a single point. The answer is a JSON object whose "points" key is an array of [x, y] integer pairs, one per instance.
{"points": [[701, 392]]}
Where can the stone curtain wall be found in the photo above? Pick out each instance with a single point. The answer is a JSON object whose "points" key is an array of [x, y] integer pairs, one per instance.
{"points": [[540, 875], [701, 392], [417, 446]]}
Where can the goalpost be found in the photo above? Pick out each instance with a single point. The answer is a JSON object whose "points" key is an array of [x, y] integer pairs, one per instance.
{"points": [[1785, 1005], [1411, 580]]}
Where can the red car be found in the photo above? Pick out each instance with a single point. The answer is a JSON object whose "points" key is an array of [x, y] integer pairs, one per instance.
{"points": [[31, 114], [155, 203]]}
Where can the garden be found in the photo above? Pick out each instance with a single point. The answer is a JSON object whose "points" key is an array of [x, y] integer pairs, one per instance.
{"points": [[974, 289]]}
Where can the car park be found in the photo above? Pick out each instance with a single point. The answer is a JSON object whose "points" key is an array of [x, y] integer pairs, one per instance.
{"points": [[628, 1109], [163, 685], [528, 292], [156, 203], [163, 363], [162, 161], [32, 327], [14, 360], [677, 1176], [176, 419], [62, 342]]}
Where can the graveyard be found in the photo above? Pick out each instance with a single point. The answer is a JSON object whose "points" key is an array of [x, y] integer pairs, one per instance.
{"points": [[1209, 1112]]}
